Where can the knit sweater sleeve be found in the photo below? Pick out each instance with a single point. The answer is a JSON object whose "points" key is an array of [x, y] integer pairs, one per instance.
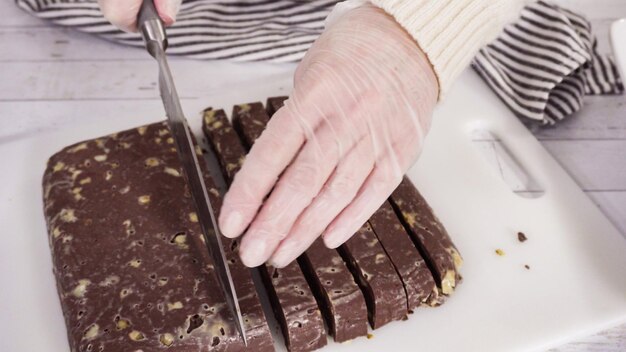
{"points": [[450, 32]]}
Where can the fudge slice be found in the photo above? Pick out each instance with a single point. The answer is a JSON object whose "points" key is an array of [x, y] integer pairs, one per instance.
{"points": [[131, 271], [416, 277], [338, 295], [292, 300], [225, 143], [381, 285], [274, 104], [295, 307], [250, 120], [249, 302], [428, 234]]}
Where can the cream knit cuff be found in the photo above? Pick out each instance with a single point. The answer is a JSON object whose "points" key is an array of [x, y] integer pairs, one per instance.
{"points": [[450, 32]]}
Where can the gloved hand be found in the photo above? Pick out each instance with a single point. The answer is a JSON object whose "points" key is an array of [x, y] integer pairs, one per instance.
{"points": [[361, 106], [123, 13]]}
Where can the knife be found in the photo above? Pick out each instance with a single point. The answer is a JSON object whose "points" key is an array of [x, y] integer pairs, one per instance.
{"points": [[153, 31]]}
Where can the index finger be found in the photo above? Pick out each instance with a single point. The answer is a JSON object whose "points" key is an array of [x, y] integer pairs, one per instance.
{"points": [[270, 154]]}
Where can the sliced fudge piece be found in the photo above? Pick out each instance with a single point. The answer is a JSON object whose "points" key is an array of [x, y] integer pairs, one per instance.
{"points": [[249, 302], [338, 295], [381, 285], [428, 234], [131, 271], [250, 120], [292, 300], [416, 277], [274, 104], [295, 307], [224, 141]]}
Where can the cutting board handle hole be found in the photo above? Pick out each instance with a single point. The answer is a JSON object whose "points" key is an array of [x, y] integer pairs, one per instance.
{"points": [[504, 164]]}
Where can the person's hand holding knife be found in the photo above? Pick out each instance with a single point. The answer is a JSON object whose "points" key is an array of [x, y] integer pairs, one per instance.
{"points": [[123, 13]]}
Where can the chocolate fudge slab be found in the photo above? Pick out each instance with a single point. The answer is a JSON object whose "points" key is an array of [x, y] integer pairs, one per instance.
{"points": [[429, 234], [293, 303], [384, 293], [416, 277], [338, 295], [274, 104], [250, 120], [124, 236]]}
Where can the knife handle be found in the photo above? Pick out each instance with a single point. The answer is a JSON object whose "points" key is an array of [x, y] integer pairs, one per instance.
{"points": [[151, 27]]}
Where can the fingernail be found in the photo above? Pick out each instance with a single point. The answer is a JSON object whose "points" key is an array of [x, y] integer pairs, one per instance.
{"points": [[271, 262], [284, 255], [332, 240], [169, 11], [253, 253], [231, 225], [167, 19]]}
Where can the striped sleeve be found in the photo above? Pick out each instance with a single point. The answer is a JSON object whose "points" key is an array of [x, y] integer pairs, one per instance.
{"points": [[543, 65], [255, 30]]}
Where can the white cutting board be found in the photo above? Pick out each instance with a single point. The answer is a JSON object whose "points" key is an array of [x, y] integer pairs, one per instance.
{"points": [[576, 284]]}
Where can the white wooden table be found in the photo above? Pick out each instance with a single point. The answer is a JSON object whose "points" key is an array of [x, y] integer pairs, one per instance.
{"points": [[591, 146], [51, 76]]}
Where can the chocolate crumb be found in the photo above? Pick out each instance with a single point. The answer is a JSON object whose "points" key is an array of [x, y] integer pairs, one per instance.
{"points": [[499, 252], [527, 267], [521, 237]]}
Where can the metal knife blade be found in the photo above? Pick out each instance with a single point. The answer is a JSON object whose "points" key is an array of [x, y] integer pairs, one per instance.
{"points": [[156, 42]]}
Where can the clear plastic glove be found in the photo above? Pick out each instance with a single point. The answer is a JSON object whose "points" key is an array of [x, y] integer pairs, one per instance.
{"points": [[123, 13], [362, 103]]}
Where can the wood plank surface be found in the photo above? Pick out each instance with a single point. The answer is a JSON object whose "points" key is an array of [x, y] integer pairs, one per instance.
{"points": [[117, 79], [597, 165], [600, 118], [54, 43]]}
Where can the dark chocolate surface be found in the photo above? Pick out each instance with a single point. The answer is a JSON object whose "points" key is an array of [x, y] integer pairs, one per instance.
{"points": [[381, 285], [428, 233], [274, 104], [224, 141], [295, 307], [250, 120], [292, 300], [416, 277], [338, 295], [131, 271], [247, 295]]}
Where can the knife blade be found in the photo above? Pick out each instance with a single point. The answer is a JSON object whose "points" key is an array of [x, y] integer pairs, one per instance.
{"points": [[155, 38]]}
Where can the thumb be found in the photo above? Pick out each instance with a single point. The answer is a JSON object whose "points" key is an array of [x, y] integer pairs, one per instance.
{"points": [[168, 9], [123, 13]]}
